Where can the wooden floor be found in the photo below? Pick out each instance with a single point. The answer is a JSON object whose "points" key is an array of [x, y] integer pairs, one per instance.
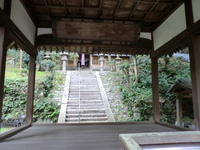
{"points": [[76, 137]]}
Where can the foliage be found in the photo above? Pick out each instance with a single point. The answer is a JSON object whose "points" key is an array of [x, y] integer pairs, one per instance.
{"points": [[47, 65], [14, 55], [139, 95], [15, 97]]}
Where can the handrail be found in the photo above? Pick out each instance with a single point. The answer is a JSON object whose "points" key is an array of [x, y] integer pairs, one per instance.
{"points": [[79, 94]]}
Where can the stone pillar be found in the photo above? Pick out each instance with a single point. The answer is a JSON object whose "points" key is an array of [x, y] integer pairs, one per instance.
{"points": [[64, 60], [118, 60], [101, 60], [109, 57], [76, 56]]}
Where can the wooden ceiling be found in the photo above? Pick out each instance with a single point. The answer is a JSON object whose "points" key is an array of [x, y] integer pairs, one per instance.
{"points": [[148, 14]]}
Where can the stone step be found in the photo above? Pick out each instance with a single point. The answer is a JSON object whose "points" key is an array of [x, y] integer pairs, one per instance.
{"points": [[76, 111], [85, 97], [83, 83], [87, 119], [86, 115], [85, 93], [98, 121], [83, 78], [83, 87], [85, 104], [85, 107]]}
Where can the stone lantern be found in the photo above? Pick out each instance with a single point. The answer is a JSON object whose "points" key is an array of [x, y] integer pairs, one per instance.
{"points": [[47, 56], [64, 60], [118, 60], [101, 60]]}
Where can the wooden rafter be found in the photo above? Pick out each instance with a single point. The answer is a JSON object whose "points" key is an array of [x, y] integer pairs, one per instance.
{"points": [[46, 5], [82, 8], [64, 4], [154, 5], [100, 6], [133, 10], [117, 8], [167, 13]]}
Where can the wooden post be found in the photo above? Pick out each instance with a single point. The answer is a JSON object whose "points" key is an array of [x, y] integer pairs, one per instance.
{"points": [[194, 51], [30, 93], [155, 89], [179, 111], [3, 53]]}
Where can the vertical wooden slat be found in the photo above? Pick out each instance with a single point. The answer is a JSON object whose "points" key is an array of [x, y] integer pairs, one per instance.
{"points": [[194, 51], [155, 90], [7, 7], [30, 93], [3, 53]]}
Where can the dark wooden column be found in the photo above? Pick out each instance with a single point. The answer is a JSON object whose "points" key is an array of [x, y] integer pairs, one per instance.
{"points": [[194, 51], [30, 93], [155, 89], [3, 53]]}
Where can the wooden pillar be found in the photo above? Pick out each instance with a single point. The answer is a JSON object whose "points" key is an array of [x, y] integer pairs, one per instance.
{"points": [[155, 89], [179, 111], [3, 53], [194, 51], [30, 93]]}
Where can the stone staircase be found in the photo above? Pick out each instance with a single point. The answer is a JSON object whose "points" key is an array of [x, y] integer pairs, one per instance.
{"points": [[91, 107]]}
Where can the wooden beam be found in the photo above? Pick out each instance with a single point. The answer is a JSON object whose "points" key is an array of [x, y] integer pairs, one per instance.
{"points": [[3, 53], [133, 10], [46, 5], [64, 3], [194, 51], [162, 18], [155, 90], [30, 92], [154, 5], [178, 40], [100, 6], [7, 7], [189, 13], [116, 9], [82, 8], [30, 11], [20, 37]]}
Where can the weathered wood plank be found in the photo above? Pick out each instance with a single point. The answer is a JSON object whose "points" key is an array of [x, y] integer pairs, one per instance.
{"points": [[64, 29], [30, 92], [155, 89], [194, 51], [3, 53], [77, 136]]}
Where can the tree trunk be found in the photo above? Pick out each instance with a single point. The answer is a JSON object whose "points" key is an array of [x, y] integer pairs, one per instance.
{"points": [[135, 68]]}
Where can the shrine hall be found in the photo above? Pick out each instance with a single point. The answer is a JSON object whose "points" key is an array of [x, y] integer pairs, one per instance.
{"points": [[110, 27]]}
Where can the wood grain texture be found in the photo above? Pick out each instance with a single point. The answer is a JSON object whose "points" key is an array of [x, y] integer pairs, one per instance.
{"points": [[64, 29], [77, 136]]}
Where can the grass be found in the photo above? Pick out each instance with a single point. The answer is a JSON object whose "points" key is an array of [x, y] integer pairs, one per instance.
{"points": [[3, 129], [15, 73]]}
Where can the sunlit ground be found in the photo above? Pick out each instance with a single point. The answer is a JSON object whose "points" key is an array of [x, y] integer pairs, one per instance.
{"points": [[3, 129]]}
